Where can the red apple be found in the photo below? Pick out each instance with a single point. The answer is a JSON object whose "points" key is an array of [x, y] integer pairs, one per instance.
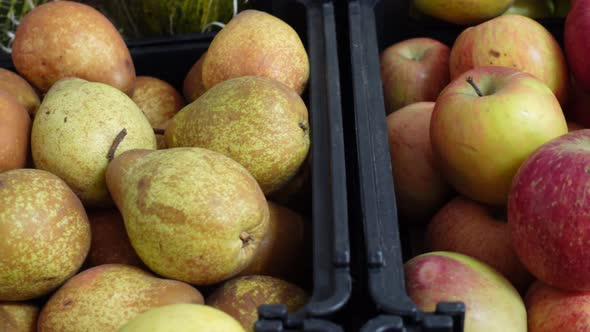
{"points": [[577, 42], [420, 188], [413, 70], [481, 232], [512, 41], [492, 303], [550, 309], [480, 141], [549, 212]]}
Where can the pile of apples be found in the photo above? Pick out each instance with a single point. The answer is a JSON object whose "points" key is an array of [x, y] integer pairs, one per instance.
{"points": [[491, 158], [126, 206]]}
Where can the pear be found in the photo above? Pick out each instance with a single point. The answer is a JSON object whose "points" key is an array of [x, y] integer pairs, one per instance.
{"points": [[60, 39], [79, 127], [104, 298], [15, 128], [157, 99], [193, 86], [183, 318], [20, 89], [258, 44], [110, 243], [259, 122], [45, 234], [18, 317], [283, 249], [191, 214], [241, 297]]}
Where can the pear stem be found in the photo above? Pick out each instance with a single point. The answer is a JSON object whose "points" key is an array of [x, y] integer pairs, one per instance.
{"points": [[246, 239], [472, 83], [159, 131], [120, 136]]}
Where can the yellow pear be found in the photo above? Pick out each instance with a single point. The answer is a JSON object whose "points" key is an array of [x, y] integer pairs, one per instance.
{"points": [[183, 318], [18, 317], [104, 298], [45, 234], [79, 127], [259, 122], [191, 214]]}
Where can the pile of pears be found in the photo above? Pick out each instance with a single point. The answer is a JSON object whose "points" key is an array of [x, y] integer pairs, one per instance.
{"points": [[126, 205]]}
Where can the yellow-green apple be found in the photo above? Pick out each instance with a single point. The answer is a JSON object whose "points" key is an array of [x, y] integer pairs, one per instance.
{"points": [[532, 8], [463, 12], [413, 70], [485, 123], [550, 309], [577, 42], [478, 231], [492, 303], [512, 41], [420, 187], [549, 214]]}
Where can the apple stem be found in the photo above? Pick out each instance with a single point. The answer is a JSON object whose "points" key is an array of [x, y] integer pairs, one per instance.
{"points": [[120, 136], [472, 83], [159, 131]]}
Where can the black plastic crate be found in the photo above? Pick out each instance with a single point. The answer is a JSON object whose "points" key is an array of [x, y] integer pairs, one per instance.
{"points": [[329, 278], [373, 26]]}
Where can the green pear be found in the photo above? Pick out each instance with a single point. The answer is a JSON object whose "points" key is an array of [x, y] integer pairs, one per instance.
{"points": [[18, 317], [241, 297], [191, 214], [104, 298], [259, 122], [183, 318], [45, 234], [79, 126]]}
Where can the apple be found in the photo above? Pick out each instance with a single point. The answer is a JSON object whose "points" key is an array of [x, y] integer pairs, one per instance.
{"points": [[492, 303], [576, 42], [480, 141], [420, 187], [463, 12], [512, 41], [413, 70], [550, 309], [479, 231], [549, 212], [532, 8]]}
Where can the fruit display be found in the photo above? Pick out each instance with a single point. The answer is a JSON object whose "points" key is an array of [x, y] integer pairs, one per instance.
{"points": [[128, 200], [507, 132]]}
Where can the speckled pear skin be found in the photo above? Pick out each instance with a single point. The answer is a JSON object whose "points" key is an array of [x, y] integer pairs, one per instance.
{"points": [[259, 122], [240, 297], [74, 129], [18, 317], [45, 234], [104, 298], [191, 214], [259, 44], [183, 318]]}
